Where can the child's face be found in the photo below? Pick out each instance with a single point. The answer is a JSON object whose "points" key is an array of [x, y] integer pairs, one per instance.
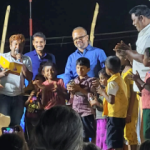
{"points": [[82, 70], [49, 72], [102, 79], [122, 59]]}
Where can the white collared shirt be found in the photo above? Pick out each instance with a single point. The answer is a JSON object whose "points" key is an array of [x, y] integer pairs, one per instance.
{"points": [[14, 84], [142, 43]]}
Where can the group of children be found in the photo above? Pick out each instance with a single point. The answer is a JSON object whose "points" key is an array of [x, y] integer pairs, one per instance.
{"points": [[111, 102]]}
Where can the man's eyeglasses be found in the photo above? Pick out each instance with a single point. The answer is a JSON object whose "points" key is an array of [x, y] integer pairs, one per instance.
{"points": [[79, 38]]}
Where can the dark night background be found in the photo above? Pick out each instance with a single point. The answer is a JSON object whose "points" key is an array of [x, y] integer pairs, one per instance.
{"points": [[57, 18]]}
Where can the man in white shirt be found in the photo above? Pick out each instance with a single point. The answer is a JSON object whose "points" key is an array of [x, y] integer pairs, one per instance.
{"points": [[11, 102], [140, 16]]}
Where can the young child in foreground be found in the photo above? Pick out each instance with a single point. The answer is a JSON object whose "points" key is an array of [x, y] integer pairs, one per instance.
{"points": [[144, 87], [34, 107], [54, 92], [115, 104], [101, 120], [130, 134], [82, 89]]}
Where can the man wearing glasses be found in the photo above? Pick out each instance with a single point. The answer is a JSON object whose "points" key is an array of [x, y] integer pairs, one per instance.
{"points": [[96, 56]]}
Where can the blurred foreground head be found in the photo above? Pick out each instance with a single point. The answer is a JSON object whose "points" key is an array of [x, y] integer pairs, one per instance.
{"points": [[59, 128]]}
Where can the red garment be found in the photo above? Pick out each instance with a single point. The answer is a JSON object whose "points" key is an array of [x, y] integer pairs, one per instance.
{"points": [[53, 98], [146, 93]]}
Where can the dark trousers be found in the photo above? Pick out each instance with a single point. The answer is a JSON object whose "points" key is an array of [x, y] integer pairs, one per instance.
{"points": [[12, 106], [89, 127], [115, 132]]}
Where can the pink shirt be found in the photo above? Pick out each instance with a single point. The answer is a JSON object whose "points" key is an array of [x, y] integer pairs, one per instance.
{"points": [[53, 98], [146, 93]]}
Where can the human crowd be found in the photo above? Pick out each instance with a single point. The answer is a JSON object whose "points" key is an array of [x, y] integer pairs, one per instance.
{"points": [[99, 102]]}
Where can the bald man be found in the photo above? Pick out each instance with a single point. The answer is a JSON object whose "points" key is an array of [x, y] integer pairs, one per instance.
{"points": [[96, 56]]}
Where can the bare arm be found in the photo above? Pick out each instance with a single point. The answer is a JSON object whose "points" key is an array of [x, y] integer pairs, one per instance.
{"points": [[134, 55], [26, 73], [28, 101], [125, 49], [146, 86], [29, 98], [141, 84], [97, 104], [110, 98], [4, 73]]}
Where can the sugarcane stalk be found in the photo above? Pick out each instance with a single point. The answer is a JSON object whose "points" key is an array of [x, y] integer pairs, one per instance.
{"points": [[5, 29], [94, 24]]}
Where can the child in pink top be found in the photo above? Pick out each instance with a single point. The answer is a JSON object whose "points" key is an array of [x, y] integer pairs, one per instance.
{"points": [[54, 92], [144, 87]]}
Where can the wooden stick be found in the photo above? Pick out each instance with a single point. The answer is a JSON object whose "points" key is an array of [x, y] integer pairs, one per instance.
{"points": [[94, 23], [5, 29]]}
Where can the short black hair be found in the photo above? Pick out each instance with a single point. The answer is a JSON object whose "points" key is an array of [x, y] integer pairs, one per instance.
{"points": [[147, 52], [140, 10], [113, 63], [39, 34], [145, 145], [49, 64], [103, 72], [82, 61]]}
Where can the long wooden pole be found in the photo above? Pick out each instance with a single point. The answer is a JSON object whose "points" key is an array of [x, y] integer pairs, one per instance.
{"points": [[94, 23], [5, 29]]}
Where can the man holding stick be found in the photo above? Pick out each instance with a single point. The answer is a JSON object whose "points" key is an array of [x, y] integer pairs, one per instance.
{"points": [[11, 100]]}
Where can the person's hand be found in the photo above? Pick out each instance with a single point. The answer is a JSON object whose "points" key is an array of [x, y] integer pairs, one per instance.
{"points": [[20, 133], [37, 94], [1, 86], [128, 119], [95, 82], [55, 88], [100, 91], [4, 73], [32, 93], [19, 57], [35, 82], [74, 87], [122, 46], [93, 102], [134, 77]]}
